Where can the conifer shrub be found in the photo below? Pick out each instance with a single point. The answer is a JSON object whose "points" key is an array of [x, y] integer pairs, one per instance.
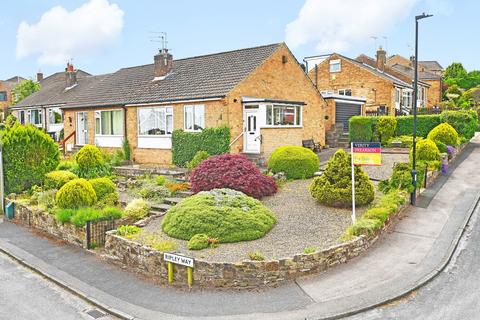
{"points": [[225, 214], [91, 163], [103, 187], [136, 209], [427, 150], [56, 179], [296, 162], [385, 128], [198, 242], [465, 122], [232, 172], [444, 135], [334, 187], [28, 154], [197, 159], [75, 194]]}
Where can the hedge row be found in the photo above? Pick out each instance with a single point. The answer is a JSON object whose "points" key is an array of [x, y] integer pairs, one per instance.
{"points": [[186, 144], [365, 128]]}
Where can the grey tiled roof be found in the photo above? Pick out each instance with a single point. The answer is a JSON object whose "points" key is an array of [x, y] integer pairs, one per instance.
{"points": [[431, 65], [205, 76], [53, 92], [423, 75]]}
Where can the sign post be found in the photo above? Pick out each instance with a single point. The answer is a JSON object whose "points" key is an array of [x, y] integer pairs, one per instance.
{"points": [[171, 259], [363, 154]]}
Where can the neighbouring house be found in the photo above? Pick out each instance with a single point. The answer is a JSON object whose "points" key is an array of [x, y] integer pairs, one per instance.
{"points": [[262, 94], [376, 91], [42, 108], [429, 72], [6, 94]]}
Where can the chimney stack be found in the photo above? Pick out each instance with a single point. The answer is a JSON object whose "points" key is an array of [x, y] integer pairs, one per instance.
{"points": [[39, 76], [163, 63], [412, 60], [381, 59], [70, 76]]}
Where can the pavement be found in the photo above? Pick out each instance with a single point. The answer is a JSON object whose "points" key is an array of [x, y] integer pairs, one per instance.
{"points": [[416, 250]]}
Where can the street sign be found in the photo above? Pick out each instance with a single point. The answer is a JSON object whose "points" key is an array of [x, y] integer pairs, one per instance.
{"points": [[178, 259], [367, 153]]}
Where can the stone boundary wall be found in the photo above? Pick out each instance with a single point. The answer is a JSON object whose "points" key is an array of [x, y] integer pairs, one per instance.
{"points": [[241, 275], [43, 221], [246, 274]]}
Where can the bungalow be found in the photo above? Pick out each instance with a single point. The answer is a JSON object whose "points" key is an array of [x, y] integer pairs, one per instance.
{"points": [[42, 108], [262, 94]]}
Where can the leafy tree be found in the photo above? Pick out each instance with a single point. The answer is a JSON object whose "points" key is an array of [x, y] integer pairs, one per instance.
{"points": [[455, 70], [24, 89]]}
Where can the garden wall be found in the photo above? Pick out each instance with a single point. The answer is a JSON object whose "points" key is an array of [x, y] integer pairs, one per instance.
{"points": [[40, 220], [242, 275]]}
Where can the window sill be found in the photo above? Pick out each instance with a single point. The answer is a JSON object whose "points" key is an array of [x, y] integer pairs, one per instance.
{"points": [[109, 135], [153, 136], [282, 127]]}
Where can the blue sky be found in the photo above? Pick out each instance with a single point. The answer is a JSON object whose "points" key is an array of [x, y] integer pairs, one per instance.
{"points": [[118, 33]]}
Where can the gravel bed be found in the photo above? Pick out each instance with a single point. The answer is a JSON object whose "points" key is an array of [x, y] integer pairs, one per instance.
{"points": [[385, 170], [301, 223]]}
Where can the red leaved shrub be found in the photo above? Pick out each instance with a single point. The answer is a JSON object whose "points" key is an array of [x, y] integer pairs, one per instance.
{"points": [[232, 172]]}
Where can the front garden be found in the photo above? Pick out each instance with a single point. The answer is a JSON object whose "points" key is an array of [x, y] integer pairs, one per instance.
{"points": [[244, 227]]}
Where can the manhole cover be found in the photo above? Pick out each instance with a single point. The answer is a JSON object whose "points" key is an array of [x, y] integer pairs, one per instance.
{"points": [[95, 314]]}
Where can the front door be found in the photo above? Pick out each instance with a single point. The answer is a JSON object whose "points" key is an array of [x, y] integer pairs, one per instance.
{"points": [[82, 128], [252, 135]]}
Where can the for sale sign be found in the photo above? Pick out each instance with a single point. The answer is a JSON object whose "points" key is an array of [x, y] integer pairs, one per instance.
{"points": [[366, 153]]}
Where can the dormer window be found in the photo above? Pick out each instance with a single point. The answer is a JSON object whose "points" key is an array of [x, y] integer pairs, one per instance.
{"points": [[335, 65]]}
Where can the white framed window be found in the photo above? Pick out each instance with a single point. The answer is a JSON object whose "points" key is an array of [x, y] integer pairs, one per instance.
{"points": [[55, 116], [156, 121], [109, 123], [407, 98], [335, 65], [397, 95], [34, 117], [283, 116], [21, 116], [345, 92], [422, 94], [194, 117], [326, 92]]}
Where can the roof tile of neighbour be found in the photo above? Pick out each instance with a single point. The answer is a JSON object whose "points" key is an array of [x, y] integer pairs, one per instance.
{"points": [[53, 91], [207, 76], [422, 75], [431, 65]]}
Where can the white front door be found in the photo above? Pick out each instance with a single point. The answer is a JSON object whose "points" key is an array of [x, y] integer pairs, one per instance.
{"points": [[82, 128], [252, 137]]}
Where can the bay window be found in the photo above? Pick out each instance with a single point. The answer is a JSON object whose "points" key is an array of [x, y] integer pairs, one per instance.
{"points": [[283, 115], [55, 116], [345, 92], [21, 116], [109, 122], [157, 121], [194, 118], [407, 98]]}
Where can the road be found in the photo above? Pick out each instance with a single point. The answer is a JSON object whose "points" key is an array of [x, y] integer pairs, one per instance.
{"points": [[27, 296], [453, 295]]}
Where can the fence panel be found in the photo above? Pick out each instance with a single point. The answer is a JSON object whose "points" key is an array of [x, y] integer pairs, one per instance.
{"points": [[96, 230]]}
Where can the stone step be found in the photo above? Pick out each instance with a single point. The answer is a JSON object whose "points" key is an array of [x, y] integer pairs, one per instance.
{"points": [[184, 193], [162, 207], [172, 201], [157, 213]]}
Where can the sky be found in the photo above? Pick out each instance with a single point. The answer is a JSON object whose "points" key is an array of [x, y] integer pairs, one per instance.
{"points": [[101, 36]]}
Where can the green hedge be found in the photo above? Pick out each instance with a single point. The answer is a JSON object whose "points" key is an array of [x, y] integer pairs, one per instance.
{"points": [[425, 123], [465, 122], [361, 129], [186, 144]]}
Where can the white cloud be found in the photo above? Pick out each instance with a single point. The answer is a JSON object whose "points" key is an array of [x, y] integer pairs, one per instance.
{"points": [[339, 25], [61, 35]]}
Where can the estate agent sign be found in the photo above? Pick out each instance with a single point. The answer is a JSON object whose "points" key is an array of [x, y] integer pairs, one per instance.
{"points": [[363, 154]]}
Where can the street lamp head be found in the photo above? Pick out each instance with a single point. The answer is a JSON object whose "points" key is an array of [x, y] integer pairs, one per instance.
{"points": [[423, 16]]}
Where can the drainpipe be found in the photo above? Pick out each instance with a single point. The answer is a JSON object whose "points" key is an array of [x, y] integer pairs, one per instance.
{"points": [[125, 136], [316, 76]]}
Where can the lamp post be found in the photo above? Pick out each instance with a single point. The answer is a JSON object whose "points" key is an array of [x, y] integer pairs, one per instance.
{"points": [[415, 97]]}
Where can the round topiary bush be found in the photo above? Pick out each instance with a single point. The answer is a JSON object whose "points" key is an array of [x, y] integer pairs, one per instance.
{"points": [[28, 154], [334, 187], [427, 150], [444, 134], [232, 172], [89, 157], [103, 187], [198, 242], [56, 179], [75, 194], [296, 162], [228, 215]]}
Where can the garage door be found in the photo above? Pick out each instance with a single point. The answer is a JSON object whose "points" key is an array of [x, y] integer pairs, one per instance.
{"points": [[344, 111]]}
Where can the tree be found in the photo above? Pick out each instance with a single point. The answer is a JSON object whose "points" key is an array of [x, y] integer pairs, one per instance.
{"points": [[24, 89], [455, 70]]}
